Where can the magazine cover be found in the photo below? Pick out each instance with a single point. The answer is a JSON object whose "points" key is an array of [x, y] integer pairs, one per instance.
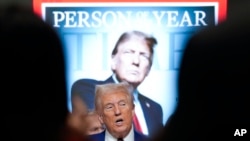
{"points": [[91, 30]]}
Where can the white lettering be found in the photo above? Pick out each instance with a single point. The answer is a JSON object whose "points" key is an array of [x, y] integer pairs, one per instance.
{"points": [[199, 18], [112, 18], [186, 19], [158, 18], [97, 19], [70, 19], [240, 132], [58, 17], [83, 18], [172, 19]]}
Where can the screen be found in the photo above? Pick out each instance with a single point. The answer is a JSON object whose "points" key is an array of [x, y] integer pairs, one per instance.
{"points": [[90, 30]]}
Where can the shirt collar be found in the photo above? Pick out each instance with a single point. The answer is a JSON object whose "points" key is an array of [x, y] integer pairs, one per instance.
{"points": [[115, 78], [129, 137]]}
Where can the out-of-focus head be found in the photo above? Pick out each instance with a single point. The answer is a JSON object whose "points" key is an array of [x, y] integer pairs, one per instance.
{"points": [[114, 104], [32, 74], [132, 57], [76, 120], [214, 72], [213, 82], [83, 121], [93, 124]]}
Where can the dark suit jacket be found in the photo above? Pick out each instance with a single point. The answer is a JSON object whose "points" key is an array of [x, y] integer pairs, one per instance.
{"points": [[85, 88], [101, 137]]}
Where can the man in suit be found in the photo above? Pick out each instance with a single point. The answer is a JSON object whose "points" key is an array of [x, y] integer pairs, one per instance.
{"points": [[115, 108], [132, 59]]}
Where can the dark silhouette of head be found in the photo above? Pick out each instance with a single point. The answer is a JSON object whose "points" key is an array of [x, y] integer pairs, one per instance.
{"points": [[34, 105], [213, 83]]}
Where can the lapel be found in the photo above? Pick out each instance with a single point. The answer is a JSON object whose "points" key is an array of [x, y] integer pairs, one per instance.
{"points": [[109, 80], [146, 108], [145, 104]]}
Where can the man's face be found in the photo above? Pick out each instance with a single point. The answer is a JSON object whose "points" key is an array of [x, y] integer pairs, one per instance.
{"points": [[132, 61], [117, 112]]}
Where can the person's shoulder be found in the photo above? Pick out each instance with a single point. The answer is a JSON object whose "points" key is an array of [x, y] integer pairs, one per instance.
{"points": [[148, 100], [97, 137], [83, 84], [140, 136], [86, 81], [89, 81]]}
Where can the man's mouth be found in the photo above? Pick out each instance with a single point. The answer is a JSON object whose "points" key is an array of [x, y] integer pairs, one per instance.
{"points": [[134, 72], [119, 122]]}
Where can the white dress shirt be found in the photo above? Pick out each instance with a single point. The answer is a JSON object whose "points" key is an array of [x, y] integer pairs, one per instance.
{"points": [[129, 137], [139, 114]]}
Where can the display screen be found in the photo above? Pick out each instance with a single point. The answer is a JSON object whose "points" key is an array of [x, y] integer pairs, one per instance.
{"points": [[90, 30]]}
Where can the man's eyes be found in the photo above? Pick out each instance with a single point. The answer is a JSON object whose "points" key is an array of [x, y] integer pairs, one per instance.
{"points": [[142, 55], [108, 107], [128, 52], [122, 104], [145, 56]]}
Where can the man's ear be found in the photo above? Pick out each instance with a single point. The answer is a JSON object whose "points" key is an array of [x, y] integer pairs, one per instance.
{"points": [[113, 63], [148, 71], [133, 110], [100, 119]]}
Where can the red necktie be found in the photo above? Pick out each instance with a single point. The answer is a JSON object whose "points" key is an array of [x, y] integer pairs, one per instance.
{"points": [[137, 124]]}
